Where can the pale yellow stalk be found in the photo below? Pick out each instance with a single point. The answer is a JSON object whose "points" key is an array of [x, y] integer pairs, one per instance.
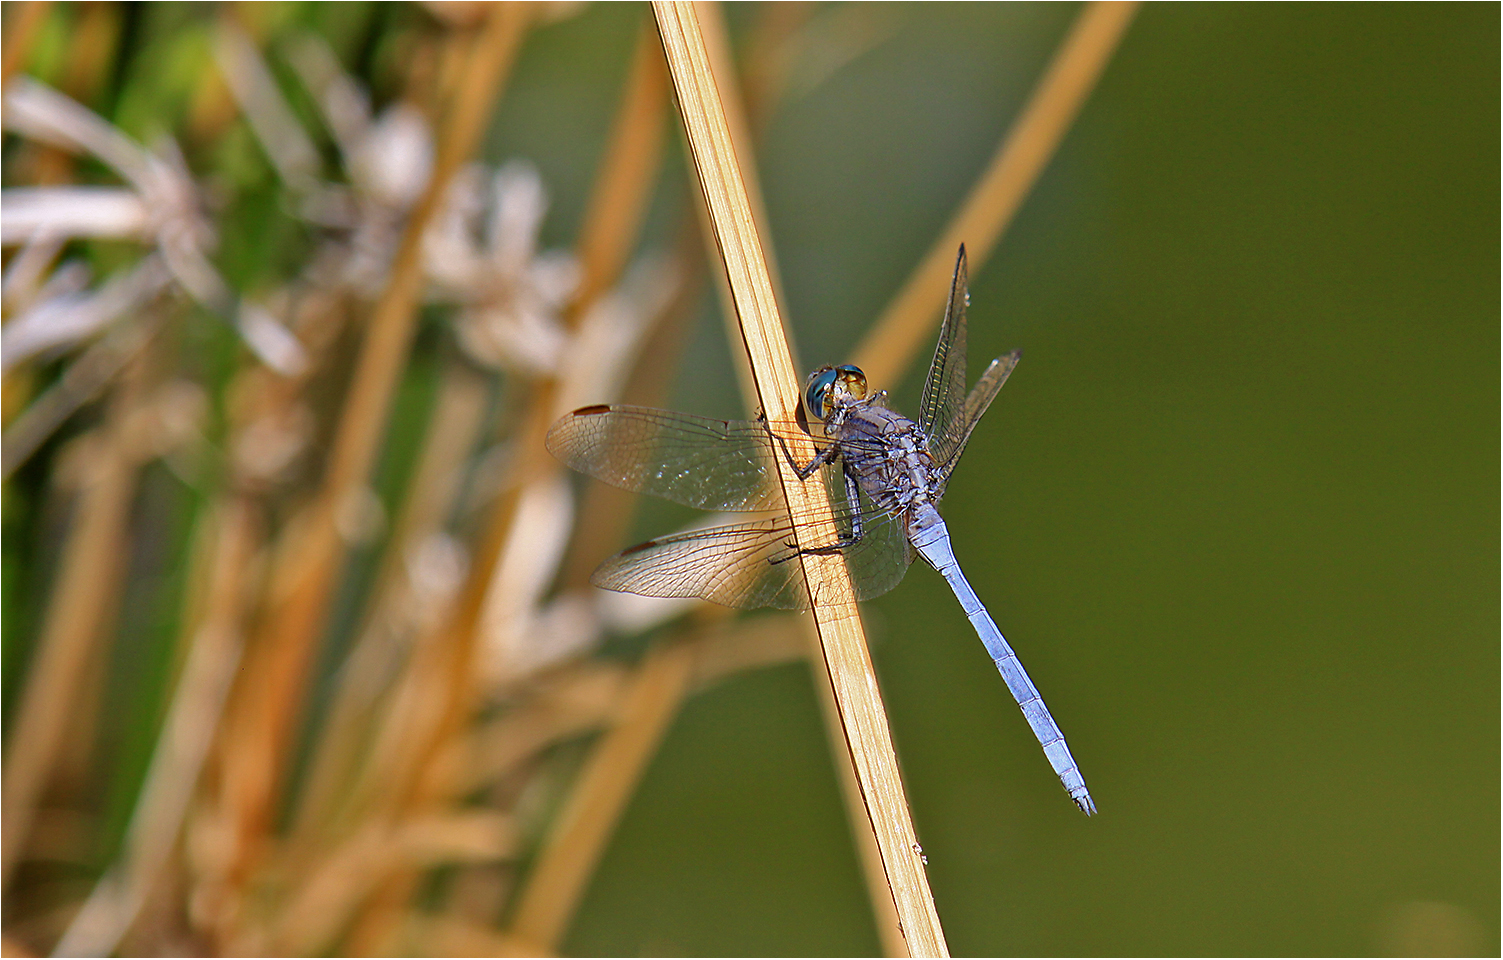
{"points": [[831, 594]]}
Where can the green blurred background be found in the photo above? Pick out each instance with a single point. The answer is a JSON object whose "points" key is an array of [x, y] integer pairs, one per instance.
{"points": [[1237, 508]]}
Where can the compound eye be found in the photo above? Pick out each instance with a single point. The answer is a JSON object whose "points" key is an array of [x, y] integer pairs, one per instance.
{"points": [[817, 392], [852, 379]]}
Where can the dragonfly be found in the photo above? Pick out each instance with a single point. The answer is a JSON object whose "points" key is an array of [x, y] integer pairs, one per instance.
{"points": [[884, 473]]}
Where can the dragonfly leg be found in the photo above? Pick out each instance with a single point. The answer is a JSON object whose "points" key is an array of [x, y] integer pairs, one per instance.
{"points": [[858, 529], [820, 459]]}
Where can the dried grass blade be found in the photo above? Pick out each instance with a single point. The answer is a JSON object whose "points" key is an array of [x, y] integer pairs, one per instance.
{"points": [[836, 616], [84, 378], [425, 734], [21, 33], [190, 726], [573, 847], [632, 156], [294, 623], [398, 604], [908, 321], [83, 599]]}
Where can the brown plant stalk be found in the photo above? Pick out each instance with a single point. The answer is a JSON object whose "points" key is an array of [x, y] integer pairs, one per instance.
{"points": [[573, 848], [21, 33], [213, 653], [425, 727], [83, 599], [908, 321], [575, 843], [831, 594], [296, 618]]}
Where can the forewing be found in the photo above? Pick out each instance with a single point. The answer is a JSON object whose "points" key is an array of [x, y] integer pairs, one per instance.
{"points": [[696, 461], [976, 402], [944, 388]]}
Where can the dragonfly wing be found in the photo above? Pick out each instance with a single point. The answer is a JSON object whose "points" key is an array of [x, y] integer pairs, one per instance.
{"points": [[751, 565], [980, 397], [696, 461], [943, 399], [732, 566]]}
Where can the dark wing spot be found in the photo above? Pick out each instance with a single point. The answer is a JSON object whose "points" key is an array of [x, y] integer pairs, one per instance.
{"points": [[644, 545], [592, 410]]}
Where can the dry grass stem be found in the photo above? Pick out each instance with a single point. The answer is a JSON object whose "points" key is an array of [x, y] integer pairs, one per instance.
{"points": [[398, 605], [294, 623], [605, 512], [83, 600], [717, 45], [574, 844], [908, 322], [585, 698], [723, 67], [836, 616], [213, 655], [426, 727], [79, 384], [628, 173], [884, 909], [21, 32]]}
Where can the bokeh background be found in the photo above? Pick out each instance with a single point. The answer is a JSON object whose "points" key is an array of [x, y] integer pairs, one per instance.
{"points": [[1237, 508]]}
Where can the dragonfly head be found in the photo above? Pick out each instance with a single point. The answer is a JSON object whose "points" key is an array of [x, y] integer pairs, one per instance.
{"points": [[829, 383]]}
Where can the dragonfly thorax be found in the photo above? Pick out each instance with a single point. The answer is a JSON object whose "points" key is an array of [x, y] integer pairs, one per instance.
{"points": [[888, 455]]}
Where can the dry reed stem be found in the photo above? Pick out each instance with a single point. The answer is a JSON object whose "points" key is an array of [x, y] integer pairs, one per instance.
{"points": [[21, 33], [82, 601], [448, 936], [214, 648], [633, 153], [79, 384], [618, 205], [295, 622], [425, 732], [723, 67], [576, 840], [568, 858], [320, 907], [832, 597], [908, 321], [451, 434], [587, 696], [884, 910], [786, 18], [605, 512], [582, 699]]}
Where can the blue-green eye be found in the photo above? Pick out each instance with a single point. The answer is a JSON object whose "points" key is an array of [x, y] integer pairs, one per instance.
{"points": [[846, 378], [820, 382]]}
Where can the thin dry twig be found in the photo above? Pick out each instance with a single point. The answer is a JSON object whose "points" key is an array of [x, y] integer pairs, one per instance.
{"points": [[397, 603], [836, 616], [908, 321], [297, 617], [632, 156], [427, 726], [600, 794], [83, 600], [214, 648], [22, 31], [79, 384]]}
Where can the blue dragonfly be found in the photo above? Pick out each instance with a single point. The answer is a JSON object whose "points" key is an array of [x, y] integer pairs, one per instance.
{"points": [[885, 472]]}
